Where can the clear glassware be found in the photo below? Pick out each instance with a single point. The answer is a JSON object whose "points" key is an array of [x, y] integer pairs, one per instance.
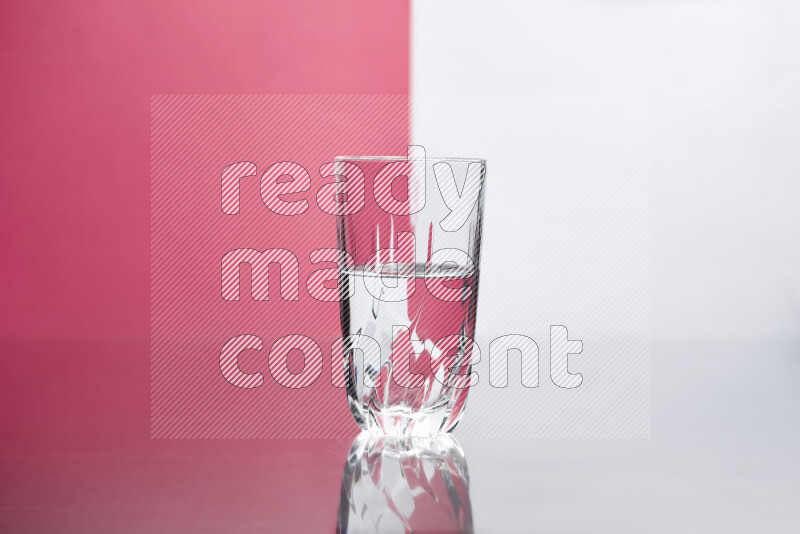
{"points": [[405, 485], [410, 232]]}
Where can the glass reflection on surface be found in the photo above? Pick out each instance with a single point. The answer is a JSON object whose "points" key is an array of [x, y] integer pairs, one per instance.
{"points": [[405, 485]]}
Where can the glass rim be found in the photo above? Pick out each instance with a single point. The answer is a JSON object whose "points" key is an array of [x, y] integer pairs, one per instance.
{"points": [[404, 158]]}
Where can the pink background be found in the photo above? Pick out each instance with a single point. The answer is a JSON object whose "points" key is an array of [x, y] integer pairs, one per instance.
{"points": [[74, 376], [193, 139]]}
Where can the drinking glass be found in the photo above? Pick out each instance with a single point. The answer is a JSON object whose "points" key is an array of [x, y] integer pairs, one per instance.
{"points": [[409, 232]]}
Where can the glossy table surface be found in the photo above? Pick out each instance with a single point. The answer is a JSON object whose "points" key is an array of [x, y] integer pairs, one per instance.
{"points": [[723, 457]]}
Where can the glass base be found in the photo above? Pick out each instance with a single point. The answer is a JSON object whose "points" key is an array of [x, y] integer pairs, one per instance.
{"points": [[405, 423]]}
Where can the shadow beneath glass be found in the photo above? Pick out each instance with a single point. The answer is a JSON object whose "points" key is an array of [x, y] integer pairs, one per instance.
{"points": [[405, 485]]}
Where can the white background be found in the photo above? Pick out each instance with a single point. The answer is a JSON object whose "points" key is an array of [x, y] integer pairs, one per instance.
{"points": [[722, 81]]}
